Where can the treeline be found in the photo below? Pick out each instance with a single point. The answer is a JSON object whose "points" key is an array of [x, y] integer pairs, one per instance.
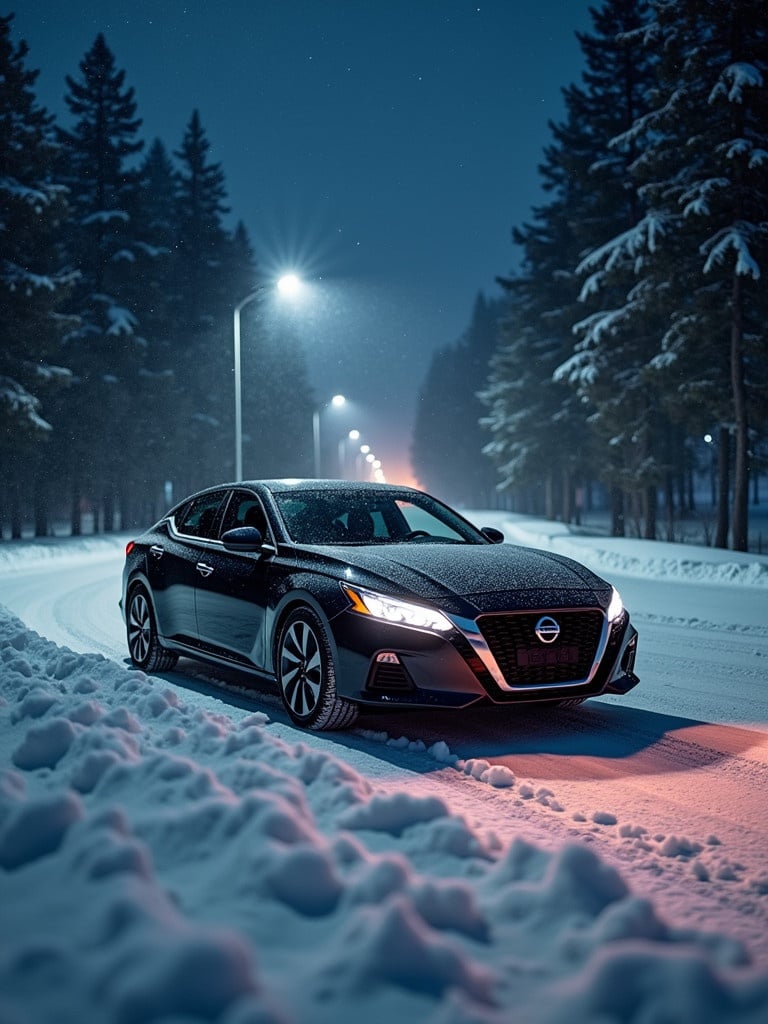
{"points": [[638, 323], [118, 280], [448, 436]]}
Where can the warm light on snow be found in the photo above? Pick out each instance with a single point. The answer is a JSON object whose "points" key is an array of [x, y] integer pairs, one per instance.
{"points": [[178, 852]]}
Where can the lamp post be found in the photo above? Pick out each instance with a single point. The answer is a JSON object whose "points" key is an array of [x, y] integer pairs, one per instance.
{"points": [[353, 435], [238, 382], [288, 284], [336, 402]]}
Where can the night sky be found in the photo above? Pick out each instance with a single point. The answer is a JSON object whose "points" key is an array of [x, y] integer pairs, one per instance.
{"points": [[382, 148]]}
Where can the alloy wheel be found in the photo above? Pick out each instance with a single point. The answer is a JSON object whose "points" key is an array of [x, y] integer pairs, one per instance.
{"points": [[301, 668], [139, 628]]}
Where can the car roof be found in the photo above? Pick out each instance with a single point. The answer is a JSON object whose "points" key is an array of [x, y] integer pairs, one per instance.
{"points": [[283, 486]]}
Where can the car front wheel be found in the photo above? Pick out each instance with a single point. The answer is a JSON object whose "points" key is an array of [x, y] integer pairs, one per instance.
{"points": [[306, 674], [145, 648]]}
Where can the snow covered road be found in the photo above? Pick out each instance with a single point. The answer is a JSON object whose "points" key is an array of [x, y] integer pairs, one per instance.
{"points": [[669, 783]]}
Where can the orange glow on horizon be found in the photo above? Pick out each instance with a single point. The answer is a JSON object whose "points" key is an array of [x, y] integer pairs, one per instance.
{"points": [[399, 473]]}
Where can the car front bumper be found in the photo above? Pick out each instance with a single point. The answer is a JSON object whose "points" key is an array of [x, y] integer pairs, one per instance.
{"points": [[383, 664]]}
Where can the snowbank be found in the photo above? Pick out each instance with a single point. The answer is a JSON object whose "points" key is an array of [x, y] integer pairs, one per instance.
{"points": [[691, 563], [23, 554], [162, 863]]}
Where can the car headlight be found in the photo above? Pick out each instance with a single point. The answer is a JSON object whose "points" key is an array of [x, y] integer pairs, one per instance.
{"points": [[616, 605], [391, 609]]}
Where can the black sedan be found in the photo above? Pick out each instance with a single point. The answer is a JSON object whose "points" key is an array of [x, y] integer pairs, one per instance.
{"points": [[355, 594]]}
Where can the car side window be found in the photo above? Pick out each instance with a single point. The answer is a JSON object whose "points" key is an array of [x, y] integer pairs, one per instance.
{"points": [[199, 518], [422, 519], [245, 509]]}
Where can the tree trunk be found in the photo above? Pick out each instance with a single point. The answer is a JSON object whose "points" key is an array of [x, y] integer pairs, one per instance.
{"points": [[108, 504], [126, 509], [723, 487], [567, 496], [549, 496], [740, 530], [16, 523], [41, 517], [76, 512], [41, 509], [651, 502], [669, 501], [618, 523]]}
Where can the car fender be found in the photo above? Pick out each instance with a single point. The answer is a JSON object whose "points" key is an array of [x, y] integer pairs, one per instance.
{"points": [[293, 598], [137, 576]]}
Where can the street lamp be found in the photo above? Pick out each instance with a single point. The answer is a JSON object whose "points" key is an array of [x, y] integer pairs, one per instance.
{"points": [[336, 402], [288, 284]]}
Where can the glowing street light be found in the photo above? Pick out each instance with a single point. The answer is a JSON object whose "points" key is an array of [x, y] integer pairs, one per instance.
{"points": [[289, 285], [336, 403]]}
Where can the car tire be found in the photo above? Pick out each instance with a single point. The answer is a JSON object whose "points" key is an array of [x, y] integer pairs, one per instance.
{"points": [[144, 646], [306, 674]]}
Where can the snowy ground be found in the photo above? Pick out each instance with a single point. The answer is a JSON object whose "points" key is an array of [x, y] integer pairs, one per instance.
{"points": [[172, 850]]}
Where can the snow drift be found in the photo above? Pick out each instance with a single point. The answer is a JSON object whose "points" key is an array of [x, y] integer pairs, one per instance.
{"points": [[162, 863]]}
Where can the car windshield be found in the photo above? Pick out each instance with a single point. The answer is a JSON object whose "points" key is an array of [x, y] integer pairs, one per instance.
{"points": [[360, 516]]}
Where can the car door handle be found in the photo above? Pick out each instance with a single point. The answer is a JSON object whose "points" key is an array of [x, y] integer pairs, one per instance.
{"points": [[203, 569], [157, 551]]}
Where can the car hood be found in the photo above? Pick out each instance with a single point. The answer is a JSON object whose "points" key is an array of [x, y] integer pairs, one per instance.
{"points": [[474, 572]]}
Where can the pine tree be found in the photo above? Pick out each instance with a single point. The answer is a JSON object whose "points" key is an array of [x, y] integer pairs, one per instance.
{"points": [[205, 294], [33, 282], [608, 366], [102, 185], [700, 248], [537, 428], [155, 306], [436, 418], [541, 429], [715, 81], [104, 350], [449, 408]]}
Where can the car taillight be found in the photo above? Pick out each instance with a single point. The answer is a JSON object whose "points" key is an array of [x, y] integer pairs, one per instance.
{"points": [[129, 547]]}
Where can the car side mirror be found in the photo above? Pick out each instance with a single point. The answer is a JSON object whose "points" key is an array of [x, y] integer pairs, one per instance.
{"points": [[492, 534], [243, 538]]}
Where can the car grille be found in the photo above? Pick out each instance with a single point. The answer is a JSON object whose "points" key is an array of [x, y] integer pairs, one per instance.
{"points": [[525, 661]]}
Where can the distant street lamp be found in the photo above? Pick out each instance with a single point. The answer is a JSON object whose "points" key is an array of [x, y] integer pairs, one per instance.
{"points": [[353, 435], [336, 402], [288, 284]]}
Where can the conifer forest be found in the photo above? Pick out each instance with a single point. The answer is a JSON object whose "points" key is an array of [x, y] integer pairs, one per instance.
{"points": [[624, 359]]}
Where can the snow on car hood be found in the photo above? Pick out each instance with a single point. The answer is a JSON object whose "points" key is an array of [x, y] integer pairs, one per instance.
{"points": [[472, 570]]}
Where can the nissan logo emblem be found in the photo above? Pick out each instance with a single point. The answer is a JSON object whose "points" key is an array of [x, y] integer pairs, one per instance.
{"points": [[547, 630]]}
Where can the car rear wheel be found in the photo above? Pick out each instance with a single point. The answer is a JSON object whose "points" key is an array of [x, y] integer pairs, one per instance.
{"points": [[307, 676], [146, 651]]}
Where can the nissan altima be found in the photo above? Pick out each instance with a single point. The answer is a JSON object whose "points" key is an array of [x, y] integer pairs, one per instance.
{"points": [[354, 595]]}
